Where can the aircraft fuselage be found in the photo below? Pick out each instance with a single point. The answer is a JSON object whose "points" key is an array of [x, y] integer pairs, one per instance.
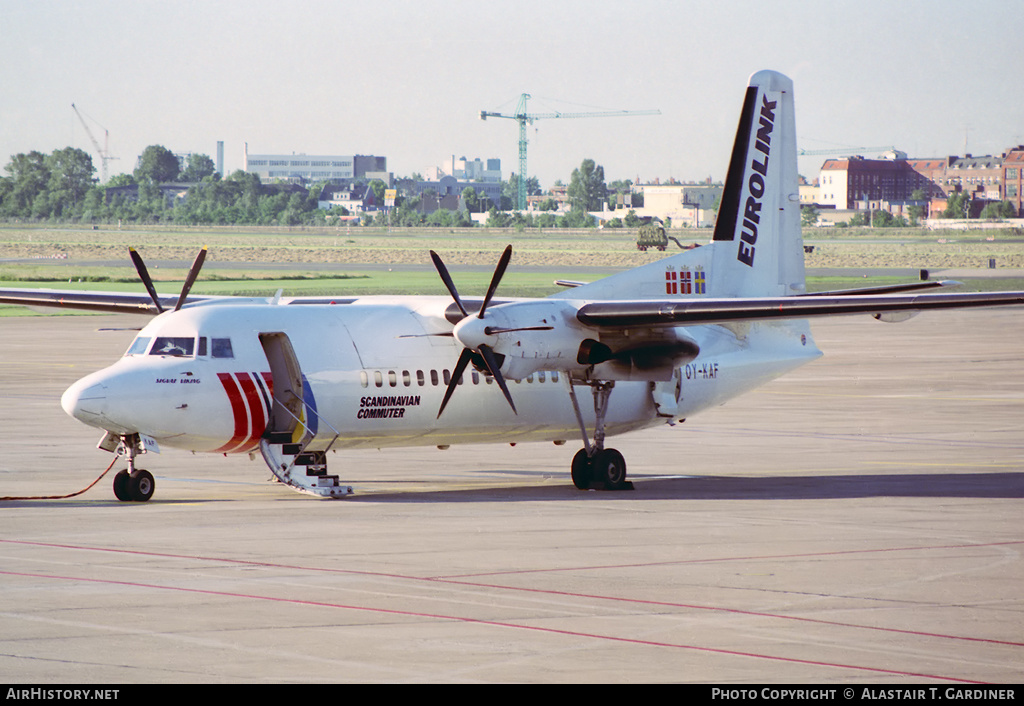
{"points": [[201, 379]]}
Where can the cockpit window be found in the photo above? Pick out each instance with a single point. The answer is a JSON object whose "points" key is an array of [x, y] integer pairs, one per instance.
{"points": [[139, 345], [168, 345], [221, 348]]}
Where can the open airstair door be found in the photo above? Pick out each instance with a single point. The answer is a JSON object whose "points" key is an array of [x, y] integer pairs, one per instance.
{"points": [[287, 410], [292, 425]]}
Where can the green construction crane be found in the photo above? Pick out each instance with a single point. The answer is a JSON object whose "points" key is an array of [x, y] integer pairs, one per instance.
{"points": [[523, 118]]}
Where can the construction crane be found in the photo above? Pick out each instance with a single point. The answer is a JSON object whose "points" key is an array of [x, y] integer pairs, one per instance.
{"points": [[103, 153], [524, 118], [846, 151]]}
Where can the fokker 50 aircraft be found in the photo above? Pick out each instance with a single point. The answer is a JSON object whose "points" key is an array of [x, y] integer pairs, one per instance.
{"points": [[296, 378]]}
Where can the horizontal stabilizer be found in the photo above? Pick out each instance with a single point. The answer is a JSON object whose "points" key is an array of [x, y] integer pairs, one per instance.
{"points": [[87, 301]]}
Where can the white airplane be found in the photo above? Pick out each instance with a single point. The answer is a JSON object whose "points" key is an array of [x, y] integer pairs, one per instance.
{"points": [[296, 378]]}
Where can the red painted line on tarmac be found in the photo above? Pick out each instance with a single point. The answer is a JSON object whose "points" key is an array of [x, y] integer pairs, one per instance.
{"points": [[492, 623], [553, 592], [766, 557], [736, 611]]}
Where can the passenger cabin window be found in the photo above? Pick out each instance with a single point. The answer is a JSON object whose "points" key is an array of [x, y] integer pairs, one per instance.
{"points": [[173, 345], [139, 345]]}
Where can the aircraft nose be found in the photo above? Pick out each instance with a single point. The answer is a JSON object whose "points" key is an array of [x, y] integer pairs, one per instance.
{"points": [[85, 401]]}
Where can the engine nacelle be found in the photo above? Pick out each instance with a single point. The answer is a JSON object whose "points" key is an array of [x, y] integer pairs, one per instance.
{"points": [[652, 358], [532, 336], [527, 337]]}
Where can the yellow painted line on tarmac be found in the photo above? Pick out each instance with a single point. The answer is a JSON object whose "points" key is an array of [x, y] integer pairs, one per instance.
{"points": [[807, 394], [33, 364], [921, 396], [944, 465]]}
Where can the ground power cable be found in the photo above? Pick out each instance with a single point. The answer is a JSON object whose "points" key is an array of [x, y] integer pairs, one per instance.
{"points": [[70, 495]]}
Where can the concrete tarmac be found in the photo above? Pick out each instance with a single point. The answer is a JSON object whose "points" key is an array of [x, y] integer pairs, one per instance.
{"points": [[857, 521]]}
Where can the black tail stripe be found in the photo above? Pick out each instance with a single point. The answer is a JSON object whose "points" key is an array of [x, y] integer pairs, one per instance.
{"points": [[728, 210]]}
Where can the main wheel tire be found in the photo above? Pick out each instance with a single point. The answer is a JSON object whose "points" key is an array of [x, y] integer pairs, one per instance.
{"points": [[610, 468], [582, 470], [141, 485], [121, 481]]}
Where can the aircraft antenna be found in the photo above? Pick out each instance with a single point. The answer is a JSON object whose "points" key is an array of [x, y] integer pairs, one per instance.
{"points": [[524, 118]]}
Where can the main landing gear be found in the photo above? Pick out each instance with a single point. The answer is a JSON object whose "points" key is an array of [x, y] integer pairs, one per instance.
{"points": [[133, 484], [595, 467]]}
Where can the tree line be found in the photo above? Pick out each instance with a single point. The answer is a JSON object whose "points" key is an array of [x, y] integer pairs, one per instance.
{"points": [[61, 187]]}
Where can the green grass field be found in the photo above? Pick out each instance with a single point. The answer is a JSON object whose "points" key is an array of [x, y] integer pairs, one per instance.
{"points": [[862, 248]]}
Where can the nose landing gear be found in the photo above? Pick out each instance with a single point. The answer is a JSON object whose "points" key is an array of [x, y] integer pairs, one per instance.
{"points": [[133, 484]]}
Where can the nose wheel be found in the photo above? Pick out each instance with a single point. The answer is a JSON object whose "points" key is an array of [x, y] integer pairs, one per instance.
{"points": [[133, 484]]}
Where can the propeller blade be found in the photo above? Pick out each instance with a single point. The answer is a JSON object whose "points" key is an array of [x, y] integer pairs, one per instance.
{"points": [[190, 280], [492, 330], [447, 334], [140, 267], [499, 272], [495, 370], [446, 278], [460, 367]]}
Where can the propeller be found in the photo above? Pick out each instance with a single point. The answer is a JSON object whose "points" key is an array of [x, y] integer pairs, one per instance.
{"points": [[140, 267], [481, 353], [193, 273], [191, 279]]}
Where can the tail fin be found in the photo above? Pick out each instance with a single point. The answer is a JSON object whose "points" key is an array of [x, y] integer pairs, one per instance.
{"points": [[758, 244], [757, 249]]}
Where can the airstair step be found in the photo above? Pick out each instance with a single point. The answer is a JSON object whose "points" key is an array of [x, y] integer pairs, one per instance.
{"points": [[278, 437]]}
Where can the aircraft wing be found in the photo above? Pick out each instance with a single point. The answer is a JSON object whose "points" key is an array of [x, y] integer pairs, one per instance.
{"points": [[648, 313], [110, 302]]}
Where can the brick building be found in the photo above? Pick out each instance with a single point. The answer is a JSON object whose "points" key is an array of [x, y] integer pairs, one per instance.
{"points": [[870, 184]]}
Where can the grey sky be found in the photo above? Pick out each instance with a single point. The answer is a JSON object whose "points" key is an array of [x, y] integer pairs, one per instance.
{"points": [[407, 79]]}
